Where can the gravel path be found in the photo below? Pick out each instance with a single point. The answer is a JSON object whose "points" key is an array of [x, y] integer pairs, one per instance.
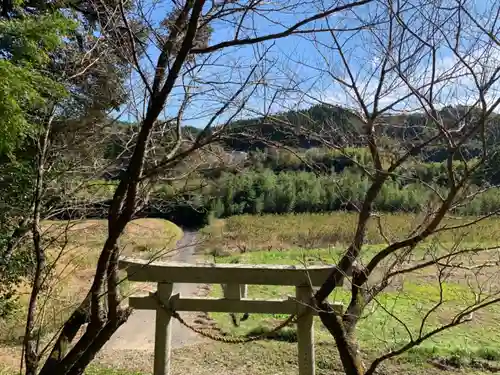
{"points": [[138, 333]]}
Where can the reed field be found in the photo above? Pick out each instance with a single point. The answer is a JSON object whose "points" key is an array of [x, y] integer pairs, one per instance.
{"points": [[279, 232]]}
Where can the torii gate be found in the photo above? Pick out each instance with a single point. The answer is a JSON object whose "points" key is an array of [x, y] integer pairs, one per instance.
{"points": [[165, 274]]}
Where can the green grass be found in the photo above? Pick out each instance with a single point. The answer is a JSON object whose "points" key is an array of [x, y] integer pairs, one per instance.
{"points": [[322, 238], [378, 330]]}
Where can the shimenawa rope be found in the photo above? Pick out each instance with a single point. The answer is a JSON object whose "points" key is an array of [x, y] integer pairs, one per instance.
{"points": [[217, 337]]}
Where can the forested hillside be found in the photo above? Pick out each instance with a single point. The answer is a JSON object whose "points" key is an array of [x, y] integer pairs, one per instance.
{"points": [[310, 161], [314, 173], [339, 126]]}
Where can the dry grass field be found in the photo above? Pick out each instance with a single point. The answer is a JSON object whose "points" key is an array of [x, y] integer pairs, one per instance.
{"points": [[72, 250]]}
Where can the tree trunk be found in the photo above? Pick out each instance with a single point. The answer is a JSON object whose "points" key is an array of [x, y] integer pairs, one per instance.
{"points": [[79, 317], [30, 344], [103, 336], [346, 344], [63, 361]]}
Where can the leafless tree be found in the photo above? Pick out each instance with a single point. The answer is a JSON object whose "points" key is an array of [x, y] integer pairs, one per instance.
{"points": [[439, 62], [187, 67]]}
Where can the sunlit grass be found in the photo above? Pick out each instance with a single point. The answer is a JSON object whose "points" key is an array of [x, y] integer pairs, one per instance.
{"points": [[72, 255], [389, 320], [275, 232]]}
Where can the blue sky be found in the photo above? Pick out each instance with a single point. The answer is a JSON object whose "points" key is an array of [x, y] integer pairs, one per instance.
{"points": [[303, 67], [280, 62]]}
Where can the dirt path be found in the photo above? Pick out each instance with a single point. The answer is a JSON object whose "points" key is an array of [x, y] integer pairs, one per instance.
{"points": [[138, 332]]}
